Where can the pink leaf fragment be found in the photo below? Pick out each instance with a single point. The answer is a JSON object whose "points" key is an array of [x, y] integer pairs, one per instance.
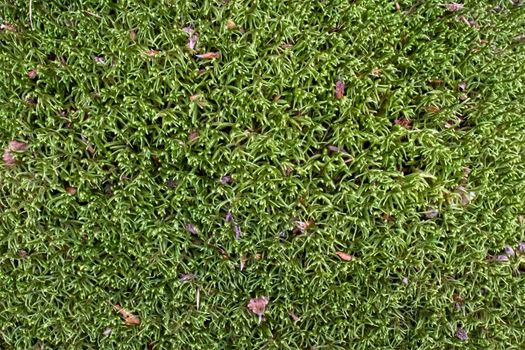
{"points": [[339, 89], [454, 6], [258, 306], [17, 146], [8, 158], [193, 37], [209, 55]]}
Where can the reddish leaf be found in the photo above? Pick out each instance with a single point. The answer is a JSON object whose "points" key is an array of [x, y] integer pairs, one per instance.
{"points": [[404, 122], [8, 158], [128, 317], [17, 146], [209, 55], [258, 306], [454, 6], [339, 89], [71, 190], [193, 37], [344, 256], [133, 35], [32, 74]]}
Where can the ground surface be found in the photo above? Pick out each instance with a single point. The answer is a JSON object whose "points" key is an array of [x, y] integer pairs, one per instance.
{"points": [[370, 160]]}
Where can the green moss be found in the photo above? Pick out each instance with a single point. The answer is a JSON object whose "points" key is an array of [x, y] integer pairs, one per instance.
{"points": [[106, 119]]}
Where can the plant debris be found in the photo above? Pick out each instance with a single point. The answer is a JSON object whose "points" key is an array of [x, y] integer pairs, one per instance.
{"points": [[258, 306], [129, 318], [344, 256]]}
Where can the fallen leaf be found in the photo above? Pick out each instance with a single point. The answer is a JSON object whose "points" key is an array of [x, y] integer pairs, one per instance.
{"points": [[17, 146], [339, 89], [405, 281], [461, 334], [226, 180], [462, 86], [302, 226], [404, 122], [286, 46], [191, 229], [230, 24], [436, 82], [519, 39], [107, 331], [433, 109], [431, 213], [258, 306], [192, 39], [376, 72], [509, 251], [209, 55], [8, 26], [243, 261], [71, 190], [152, 53], [258, 256], [23, 253], [294, 317], [454, 6], [8, 158], [397, 6], [128, 317], [193, 135], [133, 35], [187, 277], [344, 256], [32, 74]]}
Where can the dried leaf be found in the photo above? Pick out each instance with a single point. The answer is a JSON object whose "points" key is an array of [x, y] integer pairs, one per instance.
{"points": [[339, 89], [243, 261], [376, 72], [193, 135], [193, 37], [8, 158], [230, 24], [71, 190], [8, 26], [128, 317], [397, 6], [17, 146], [191, 229], [344, 256], [107, 331], [32, 74], [462, 86], [433, 109], [286, 46], [405, 281], [509, 251], [303, 226], [454, 6], [258, 306], [152, 53], [294, 317], [133, 35], [461, 334], [226, 180], [404, 122], [209, 55]]}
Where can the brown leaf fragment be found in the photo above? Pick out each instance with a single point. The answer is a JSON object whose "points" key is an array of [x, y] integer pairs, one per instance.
{"points": [[71, 190], [152, 53], [404, 122], [209, 55], [344, 256], [128, 317], [230, 24], [339, 89]]}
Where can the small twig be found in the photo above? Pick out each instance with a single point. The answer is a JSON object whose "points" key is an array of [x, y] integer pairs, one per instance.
{"points": [[31, 13]]}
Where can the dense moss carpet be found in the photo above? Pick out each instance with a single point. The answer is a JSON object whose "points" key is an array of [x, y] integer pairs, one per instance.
{"points": [[262, 174]]}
